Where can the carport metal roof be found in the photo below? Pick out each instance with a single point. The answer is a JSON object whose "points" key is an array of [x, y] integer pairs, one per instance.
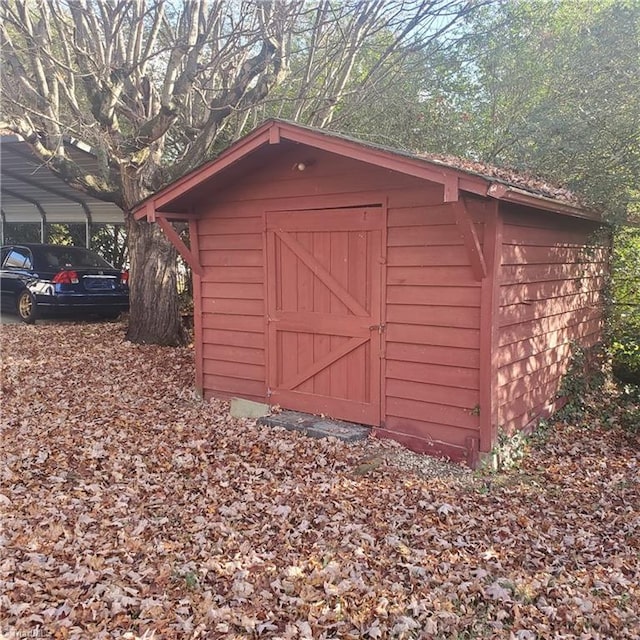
{"points": [[30, 192]]}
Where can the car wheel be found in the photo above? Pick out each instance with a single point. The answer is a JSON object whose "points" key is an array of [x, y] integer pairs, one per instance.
{"points": [[26, 307]]}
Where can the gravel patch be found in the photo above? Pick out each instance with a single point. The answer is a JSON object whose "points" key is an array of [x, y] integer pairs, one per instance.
{"points": [[392, 454]]}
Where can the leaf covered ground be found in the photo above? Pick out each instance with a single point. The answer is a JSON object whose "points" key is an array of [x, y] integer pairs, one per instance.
{"points": [[132, 509]]}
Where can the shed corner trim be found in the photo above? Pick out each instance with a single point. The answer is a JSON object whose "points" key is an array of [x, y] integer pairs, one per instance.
{"points": [[451, 188], [274, 133]]}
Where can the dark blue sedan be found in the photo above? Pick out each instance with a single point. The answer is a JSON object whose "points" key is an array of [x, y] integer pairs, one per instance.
{"points": [[44, 280]]}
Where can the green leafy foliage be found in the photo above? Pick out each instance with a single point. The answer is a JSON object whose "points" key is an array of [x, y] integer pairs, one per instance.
{"points": [[625, 314], [21, 232], [557, 87], [110, 242]]}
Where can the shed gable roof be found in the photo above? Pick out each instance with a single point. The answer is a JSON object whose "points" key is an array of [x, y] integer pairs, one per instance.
{"points": [[454, 174]]}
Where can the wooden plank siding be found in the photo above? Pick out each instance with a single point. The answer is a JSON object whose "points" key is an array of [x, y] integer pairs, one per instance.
{"points": [[232, 304], [433, 327], [231, 231], [551, 282], [452, 344], [431, 309]]}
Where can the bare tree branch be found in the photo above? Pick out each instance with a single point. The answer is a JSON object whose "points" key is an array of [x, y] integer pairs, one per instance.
{"points": [[158, 86], [134, 76]]}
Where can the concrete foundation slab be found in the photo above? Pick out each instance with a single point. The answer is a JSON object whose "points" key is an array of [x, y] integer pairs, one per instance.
{"points": [[241, 408], [317, 426]]}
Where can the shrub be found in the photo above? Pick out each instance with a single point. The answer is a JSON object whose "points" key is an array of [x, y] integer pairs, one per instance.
{"points": [[625, 313]]}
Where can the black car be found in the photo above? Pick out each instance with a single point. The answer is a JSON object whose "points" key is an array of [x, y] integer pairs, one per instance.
{"points": [[45, 279]]}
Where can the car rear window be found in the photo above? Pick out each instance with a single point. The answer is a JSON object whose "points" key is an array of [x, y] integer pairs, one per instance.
{"points": [[64, 257], [18, 258]]}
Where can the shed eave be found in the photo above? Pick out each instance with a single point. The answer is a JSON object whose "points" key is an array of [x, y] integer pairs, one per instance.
{"points": [[273, 132], [161, 201], [449, 177], [507, 193]]}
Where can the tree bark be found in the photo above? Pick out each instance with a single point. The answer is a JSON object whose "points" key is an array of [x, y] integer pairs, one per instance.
{"points": [[155, 315]]}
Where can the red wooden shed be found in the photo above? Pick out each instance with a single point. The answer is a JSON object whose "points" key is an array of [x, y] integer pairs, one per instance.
{"points": [[436, 303]]}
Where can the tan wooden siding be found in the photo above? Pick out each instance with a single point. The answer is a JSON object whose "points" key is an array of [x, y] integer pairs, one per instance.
{"points": [[551, 298]]}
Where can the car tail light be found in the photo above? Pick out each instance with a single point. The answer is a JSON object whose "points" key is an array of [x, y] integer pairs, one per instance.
{"points": [[124, 277], [65, 277]]}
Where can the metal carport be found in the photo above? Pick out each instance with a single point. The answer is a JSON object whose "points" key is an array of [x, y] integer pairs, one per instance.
{"points": [[30, 192]]}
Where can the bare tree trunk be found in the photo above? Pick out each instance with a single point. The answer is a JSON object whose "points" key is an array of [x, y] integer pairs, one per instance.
{"points": [[155, 314]]}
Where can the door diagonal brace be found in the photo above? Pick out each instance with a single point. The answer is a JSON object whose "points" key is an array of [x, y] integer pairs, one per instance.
{"points": [[322, 274], [323, 363]]}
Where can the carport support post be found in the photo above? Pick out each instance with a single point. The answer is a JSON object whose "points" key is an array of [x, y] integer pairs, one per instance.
{"points": [[87, 226]]}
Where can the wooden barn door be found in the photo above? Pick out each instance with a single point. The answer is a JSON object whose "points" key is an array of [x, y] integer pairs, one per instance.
{"points": [[324, 311]]}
